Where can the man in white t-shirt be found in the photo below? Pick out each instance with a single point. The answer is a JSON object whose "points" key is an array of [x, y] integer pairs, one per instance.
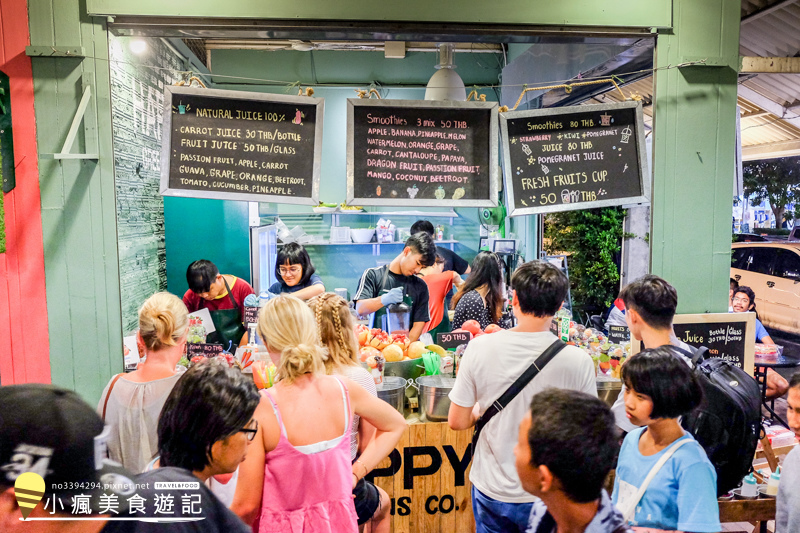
{"points": [[489, 367]]}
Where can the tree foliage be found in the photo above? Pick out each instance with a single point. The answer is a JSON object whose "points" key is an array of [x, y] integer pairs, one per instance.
{"points": [[592, 238], [774, 180]]}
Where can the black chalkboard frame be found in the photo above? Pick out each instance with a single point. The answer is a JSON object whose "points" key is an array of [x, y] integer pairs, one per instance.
{"points": [[747, 320], [166, 143], [494, 168], [644, 174]]}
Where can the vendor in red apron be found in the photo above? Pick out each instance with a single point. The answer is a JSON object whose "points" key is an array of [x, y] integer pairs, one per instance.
{"points": [[397, 282], [223, 296]]}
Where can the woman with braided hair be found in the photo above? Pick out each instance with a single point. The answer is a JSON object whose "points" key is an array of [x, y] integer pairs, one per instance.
{"points": [[298, 474], [335, 326]]}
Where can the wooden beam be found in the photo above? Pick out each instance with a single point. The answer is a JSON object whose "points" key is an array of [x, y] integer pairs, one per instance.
{"points": [[769, 105], [766, 11], [771, 150], [770, 65], [756, 114]]}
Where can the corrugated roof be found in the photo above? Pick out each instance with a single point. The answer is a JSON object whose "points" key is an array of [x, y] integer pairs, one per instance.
{"points": [[765, 100]]}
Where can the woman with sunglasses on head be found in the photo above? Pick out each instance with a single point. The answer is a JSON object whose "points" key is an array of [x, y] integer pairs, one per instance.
{"points": [[295, 273], [481, 296], [299, 469], [744, 300]]}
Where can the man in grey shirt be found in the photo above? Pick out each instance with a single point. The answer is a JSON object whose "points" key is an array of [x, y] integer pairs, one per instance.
{"points": [[787, 517]]}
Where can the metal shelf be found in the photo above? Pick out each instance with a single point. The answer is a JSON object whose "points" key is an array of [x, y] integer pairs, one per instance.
{"points": [[451, 214], [376, 248]]}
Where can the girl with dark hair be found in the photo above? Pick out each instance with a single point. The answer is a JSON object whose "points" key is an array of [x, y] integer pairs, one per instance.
{"points": [[682, 494], [295, 273], [481, 296]]}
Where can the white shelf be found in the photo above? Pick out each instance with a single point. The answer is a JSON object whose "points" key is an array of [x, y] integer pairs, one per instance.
{"points": [[444, 214], [376, 248]]}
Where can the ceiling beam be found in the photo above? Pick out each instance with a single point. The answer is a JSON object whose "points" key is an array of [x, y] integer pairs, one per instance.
{"points": [[766, 11], [768, 105], [770, 65], [771, 150], [756, 114]]}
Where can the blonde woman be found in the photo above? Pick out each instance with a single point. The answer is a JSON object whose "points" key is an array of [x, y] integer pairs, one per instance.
{"points": [[335, 326], [131, 403], [298, 469]]}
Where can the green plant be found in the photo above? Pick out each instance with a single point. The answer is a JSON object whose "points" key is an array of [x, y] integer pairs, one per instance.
{"points": [[774, 180], [591, 238]]}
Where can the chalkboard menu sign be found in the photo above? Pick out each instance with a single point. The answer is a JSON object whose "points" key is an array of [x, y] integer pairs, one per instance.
{"points": [[619, 334], [235, 145], [453, 339], [202, 349], [729, 336], [422, 153], [577, 157], [251, 314]]}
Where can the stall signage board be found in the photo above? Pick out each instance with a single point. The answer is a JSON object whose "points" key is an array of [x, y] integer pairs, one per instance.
{"points": [[203, 349], [729, 336], [422, 153], [427, 479], [236, 145], [577, 157], [453, 339], [619, 334]]}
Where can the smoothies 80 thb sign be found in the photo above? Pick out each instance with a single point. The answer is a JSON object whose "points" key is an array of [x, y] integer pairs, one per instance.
{"points": [[577, 157]]}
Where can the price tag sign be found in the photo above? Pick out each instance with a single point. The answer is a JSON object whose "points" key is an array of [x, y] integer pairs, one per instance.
{"points": [[619, 334], [204, 350], [251, 314], [453, 339]]}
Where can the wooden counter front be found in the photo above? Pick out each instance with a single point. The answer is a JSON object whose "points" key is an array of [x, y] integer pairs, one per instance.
{"points": [[427, 480]]}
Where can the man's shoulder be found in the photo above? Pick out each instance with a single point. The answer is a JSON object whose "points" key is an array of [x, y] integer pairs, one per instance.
{"points": [[242, 287]]}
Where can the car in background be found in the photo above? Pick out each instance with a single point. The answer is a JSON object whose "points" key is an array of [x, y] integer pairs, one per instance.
{"points": [[749, 237], [772, 270]]}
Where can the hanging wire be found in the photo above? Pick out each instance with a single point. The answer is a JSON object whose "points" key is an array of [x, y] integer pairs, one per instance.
{"points": [[549, 84]]}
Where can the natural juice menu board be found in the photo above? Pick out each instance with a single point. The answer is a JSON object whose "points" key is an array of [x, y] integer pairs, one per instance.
{"points": [[237, 145], [576, 157], [421, 153]]}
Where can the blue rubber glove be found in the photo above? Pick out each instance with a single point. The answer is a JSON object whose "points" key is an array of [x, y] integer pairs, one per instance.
{"points": [[394, 296]]}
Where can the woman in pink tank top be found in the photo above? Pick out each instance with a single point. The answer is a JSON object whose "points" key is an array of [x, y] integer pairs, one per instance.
{"points": [[297, 477]]}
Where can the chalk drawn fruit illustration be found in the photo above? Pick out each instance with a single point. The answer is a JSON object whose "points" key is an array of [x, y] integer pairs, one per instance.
{"points": [[394, 193], [439, 193], [298, 117], [378, 190], [412, 192], [459, 193]]}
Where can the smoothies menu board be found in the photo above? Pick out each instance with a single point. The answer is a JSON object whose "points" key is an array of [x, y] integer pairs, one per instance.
{"points": [[421, 153], [577, 157], [237, 145]]}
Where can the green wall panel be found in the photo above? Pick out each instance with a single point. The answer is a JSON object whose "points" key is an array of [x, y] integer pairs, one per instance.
{"points": [[78, 201], [618, 13], [693, 154]]}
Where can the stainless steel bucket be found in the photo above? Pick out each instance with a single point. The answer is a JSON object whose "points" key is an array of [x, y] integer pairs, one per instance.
{"points": [[392, 391], [433, 401], [608, 389]]}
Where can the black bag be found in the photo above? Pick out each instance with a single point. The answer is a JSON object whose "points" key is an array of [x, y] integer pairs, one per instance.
{"points": [[727, 424], [515, 388]]}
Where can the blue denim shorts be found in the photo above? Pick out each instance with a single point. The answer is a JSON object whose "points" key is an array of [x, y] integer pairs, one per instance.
{"points": [[493, 516]]}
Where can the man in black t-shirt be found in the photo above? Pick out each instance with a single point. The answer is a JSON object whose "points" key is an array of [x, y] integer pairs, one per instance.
{"points": [[452, 261], [386, 285]]}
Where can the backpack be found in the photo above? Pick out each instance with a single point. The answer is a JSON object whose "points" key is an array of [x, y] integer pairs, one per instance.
{"points": [[727, 423]]}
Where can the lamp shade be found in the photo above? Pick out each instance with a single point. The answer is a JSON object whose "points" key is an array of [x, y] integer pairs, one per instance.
{"points": [[445, 84]]}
